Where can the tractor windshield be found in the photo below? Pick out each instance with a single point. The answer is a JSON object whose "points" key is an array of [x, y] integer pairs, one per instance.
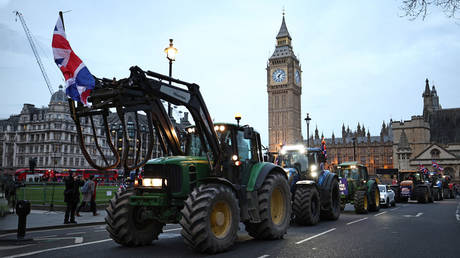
{"points": [[347, 172], [194, 146], [294, 159]]}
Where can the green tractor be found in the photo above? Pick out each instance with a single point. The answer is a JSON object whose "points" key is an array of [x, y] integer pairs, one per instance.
{"points": [[315, 191], [210, 180], [357, 188]]}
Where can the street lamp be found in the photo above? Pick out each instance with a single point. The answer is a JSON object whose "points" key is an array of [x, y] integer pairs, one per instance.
{"points": [[354, 148], [171, 52], [307, 119]]}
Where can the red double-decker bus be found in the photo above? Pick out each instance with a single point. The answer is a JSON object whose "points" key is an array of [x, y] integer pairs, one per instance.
{"points": [[43, 175]]}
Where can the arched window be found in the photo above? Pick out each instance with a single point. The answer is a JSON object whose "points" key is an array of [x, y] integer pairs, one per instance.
{"points": [[434, 153]]}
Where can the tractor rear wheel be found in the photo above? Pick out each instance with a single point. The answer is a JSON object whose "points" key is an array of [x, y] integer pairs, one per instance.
{"points": [[361, 202], [126, 225], [274, 209], [374, 195], [210, 218], [332, 212], [306, 205], [422, 194]]}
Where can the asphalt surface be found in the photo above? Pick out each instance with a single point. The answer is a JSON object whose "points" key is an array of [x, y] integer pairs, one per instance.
{"points": [[408, 230]]}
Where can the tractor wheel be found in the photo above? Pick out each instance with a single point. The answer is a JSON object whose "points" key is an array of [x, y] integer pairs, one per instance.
{"points": [[422, 194], [361, 202], [306, 205], [210, 218], [126, 225], [274, 209], [333, 202], [374, 201]]}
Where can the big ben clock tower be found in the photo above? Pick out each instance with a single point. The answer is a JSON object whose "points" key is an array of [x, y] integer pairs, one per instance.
{"points": [[284, 87]]}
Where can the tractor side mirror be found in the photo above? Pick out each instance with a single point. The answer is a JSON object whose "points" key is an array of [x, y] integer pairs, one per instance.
{"points": [[248, 133]]}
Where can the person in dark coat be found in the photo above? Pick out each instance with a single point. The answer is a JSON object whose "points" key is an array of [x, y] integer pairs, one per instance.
{"points": [[71, 197]]}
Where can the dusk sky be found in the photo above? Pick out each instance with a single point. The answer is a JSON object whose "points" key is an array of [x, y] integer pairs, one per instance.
{"points": [[361, 61]]}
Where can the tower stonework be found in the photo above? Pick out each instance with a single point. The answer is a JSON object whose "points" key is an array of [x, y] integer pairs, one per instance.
{"points": [[284, 87]]}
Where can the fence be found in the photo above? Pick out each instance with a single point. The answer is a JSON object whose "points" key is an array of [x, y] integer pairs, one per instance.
{"points": [[53, 193]]}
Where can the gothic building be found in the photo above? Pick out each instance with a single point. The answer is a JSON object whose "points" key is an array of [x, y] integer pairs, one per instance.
{"points": [[284, 87], [375, 152], [433, 136]]}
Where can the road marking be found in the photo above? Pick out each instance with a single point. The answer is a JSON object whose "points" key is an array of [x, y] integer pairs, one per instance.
{"points": [[263, 256], [75, 233], [100, 230], [172, 229], [77, 240], [58, 248], [394, 209], [457, 214], [349, 223], [320, 234], [378, 214], [412, 216], [47, 230], [48, 236]]}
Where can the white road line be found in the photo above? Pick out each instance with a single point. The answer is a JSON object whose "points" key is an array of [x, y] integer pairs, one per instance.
{"points": [[75, 233], [394, 209], [47, 230], [58, 248], [320, 234], [77, 240], [378, 214], [48, 236], [263, 256], [172, 229], [349, 223], [419, 214], [457, 214]]}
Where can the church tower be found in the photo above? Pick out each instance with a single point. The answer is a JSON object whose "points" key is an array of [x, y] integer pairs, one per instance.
{"points": [[284, 87]]}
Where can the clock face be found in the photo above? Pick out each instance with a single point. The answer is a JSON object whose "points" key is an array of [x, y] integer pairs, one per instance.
{"points": [[297, 77], [279, 75]]}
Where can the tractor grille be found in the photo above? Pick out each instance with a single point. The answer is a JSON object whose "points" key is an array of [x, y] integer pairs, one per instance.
{"points": [[173, 173]]}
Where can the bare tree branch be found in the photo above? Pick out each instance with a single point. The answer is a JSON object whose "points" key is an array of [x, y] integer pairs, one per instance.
{"points": [[416, 8]]}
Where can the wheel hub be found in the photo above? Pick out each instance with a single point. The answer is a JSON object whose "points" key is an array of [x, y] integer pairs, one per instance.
{"points": [[220, 220], [277, 206]]}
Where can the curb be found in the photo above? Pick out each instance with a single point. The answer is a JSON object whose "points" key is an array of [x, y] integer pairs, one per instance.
{"points": [[9, 231]]}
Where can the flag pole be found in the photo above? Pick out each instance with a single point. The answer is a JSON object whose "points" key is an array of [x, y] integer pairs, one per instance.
{"points": [[62, 19]]}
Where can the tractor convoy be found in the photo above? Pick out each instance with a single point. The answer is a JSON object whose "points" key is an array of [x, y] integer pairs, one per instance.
{"points": [[213, 176]]}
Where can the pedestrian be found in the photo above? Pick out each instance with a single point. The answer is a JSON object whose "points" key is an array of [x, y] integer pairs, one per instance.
{"points": [[93, 197], [71, 197], [87, 191]]}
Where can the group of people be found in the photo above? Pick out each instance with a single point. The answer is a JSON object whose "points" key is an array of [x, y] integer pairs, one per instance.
{"points": [[72, 196]]}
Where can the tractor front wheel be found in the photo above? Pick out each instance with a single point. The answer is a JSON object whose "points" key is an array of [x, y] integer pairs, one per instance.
{"points": [[210, 218], [126, 225], [306, 205], [274, 209], [361, 202]]}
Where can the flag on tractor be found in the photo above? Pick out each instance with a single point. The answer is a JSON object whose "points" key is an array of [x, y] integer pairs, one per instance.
{"points": [[323, 147], [434, 164], [423, 169], [79, 81]]}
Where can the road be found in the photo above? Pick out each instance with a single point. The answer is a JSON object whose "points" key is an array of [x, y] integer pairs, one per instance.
{"points": [[408, 230]]}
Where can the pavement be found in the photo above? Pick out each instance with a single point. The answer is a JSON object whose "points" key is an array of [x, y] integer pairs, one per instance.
{"points": [[407, 230], [43, 219]]}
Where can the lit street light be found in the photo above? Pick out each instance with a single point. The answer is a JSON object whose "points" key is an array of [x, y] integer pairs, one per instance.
{"points": [[307, 119], [238, 118], [171, 52]]}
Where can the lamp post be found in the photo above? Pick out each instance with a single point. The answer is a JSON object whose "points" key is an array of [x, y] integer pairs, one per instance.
{"points": [[354, 148], [238, 118], [171, 52], [307, 119]]}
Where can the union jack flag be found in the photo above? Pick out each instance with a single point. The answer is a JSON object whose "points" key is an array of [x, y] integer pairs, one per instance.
{"points": [[79, 81], [323, 147], [434, 164], [423, 169]]}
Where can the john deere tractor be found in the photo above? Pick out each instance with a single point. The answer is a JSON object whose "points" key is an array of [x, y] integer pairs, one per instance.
{"points": [[315, 191], [357, 188], [209, 181]]}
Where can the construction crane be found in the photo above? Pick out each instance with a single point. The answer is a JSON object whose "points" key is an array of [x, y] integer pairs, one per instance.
{"points": [[34, 49]]}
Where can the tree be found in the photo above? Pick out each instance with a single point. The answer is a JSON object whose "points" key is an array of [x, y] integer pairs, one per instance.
{"points": [[417, 8]]}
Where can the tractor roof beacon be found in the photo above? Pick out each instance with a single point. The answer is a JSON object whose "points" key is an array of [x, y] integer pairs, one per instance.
{"points": [[219, 179], [315, 191]]}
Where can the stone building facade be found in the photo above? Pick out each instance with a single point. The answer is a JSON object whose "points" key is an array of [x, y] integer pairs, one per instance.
{"points": [[284, 87], [433, 136], [375, 152]]}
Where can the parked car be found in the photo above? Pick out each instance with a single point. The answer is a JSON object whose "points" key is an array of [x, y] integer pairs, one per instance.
{"points": [[387, 196]]}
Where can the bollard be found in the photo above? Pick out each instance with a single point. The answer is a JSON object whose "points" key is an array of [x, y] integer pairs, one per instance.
{"points": [[22, 210]]}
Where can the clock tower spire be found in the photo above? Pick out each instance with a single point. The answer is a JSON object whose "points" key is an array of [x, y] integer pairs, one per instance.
{"points": [[284, 87]]}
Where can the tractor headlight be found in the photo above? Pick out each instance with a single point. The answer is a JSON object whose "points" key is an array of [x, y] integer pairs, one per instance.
{"points": [[154, 182], [314, 174], [313, 167]]}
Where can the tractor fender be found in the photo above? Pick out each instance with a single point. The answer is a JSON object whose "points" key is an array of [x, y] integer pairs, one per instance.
{"points": [[220, 180], [260, 171], [326, 178], [369, 184]]}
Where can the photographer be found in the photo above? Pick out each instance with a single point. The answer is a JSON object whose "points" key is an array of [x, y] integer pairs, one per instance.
{"points": [[71, 196]]}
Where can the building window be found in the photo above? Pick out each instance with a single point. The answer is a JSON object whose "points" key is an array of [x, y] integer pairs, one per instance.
{"points": [[435, 153]]}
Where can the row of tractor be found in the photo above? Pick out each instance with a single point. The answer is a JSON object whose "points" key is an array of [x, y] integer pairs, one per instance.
{"points": [[212, 177]]}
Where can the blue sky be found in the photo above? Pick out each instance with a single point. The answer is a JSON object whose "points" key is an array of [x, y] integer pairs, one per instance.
{"points": [[361, 61]]}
